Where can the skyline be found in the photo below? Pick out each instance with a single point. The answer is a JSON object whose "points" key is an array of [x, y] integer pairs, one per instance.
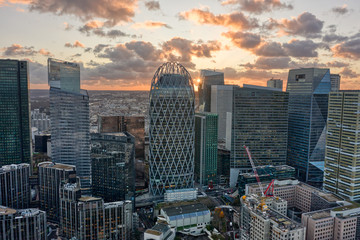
{"points": [[120, 44]]}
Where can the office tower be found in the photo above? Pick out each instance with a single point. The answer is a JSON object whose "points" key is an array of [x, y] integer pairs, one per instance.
{"points": [[207, 79], [206, 148], [113, 171], [342, 161], [69, 116], [335, 82], [135, 125], [275, 83], [22, 224], [221, 104], [85, 217], [15, 186], [40, 120], [14, 108], [41, 143], [223, 165], [308, 90], [259, 121], [51, 176], [171, 132]]}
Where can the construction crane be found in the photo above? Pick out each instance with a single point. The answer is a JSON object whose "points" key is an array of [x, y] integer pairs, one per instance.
{"points": [[269, 192]]}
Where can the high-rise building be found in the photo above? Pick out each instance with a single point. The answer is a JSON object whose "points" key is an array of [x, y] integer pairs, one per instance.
{"points": [[206, 148], [171, 133], [14, 108], [51, 177], [41, 143], [335, 82], [85, 217], [342, 161], [308, 90], [69, 117], [223, 165], [22, 224], [207, 79], [15, 186], [113, 171], [259, 121], [135, 125], [275, 83], [40, 120], [221, 104]]}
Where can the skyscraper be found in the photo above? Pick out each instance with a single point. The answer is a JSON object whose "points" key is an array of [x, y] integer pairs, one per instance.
{"points": [[14, 108], [171, 132], [259, 121], [113, 171], [308, 90], [335, 82], [275, 83], [207, 79], [206, 147], [221, 104], [342, 161], [69, 117]]}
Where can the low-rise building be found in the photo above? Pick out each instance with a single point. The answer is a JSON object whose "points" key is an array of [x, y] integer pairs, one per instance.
{"points": [[188, 219], [22, 224], [173, 195], [161, 231]]}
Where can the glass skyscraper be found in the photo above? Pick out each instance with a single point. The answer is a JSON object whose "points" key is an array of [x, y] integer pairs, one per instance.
{"points": [[69, 118], [14, 113], [259, 121], [308, 90], [171, 135], [207, 79], [206, 143]]}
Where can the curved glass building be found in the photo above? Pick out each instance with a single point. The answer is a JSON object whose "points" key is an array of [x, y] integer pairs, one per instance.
{"points": [[172, 134]]}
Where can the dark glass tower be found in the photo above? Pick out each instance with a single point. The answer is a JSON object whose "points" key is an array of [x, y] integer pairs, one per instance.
{"points": [[171, 135], [14, 112], [308, 90]]}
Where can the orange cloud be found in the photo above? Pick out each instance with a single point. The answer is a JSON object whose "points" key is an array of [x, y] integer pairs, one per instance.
{"points": [[235, 20], [349, 49], [75, 45], [150, 25]]}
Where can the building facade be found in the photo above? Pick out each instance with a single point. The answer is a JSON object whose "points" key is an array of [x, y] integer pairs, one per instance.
{"points": [[206, 142], [308, 90], [135, 125], [207, 79], [113, 170], [22, 224], [40, 120], [221, 104], [335, 82], [15, 141], [171, 135], [342, 162], [51, 177], [259, 121], [69, 118], [15, 186], [275, 83]]}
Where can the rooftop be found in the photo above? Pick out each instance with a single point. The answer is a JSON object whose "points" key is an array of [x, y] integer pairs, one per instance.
{"points": [[6, 211], [185, 209], [8, 168], [56, 165], [180, 190], [319, 214], [89, 199]]}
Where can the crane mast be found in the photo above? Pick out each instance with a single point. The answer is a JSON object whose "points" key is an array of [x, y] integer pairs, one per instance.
{"points": [[255, 171]]}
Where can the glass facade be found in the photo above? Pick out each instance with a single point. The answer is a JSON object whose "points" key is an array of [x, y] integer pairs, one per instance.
{"points": [[69, 117], [259, 121], [113, 171], [207, 79], [206, 147], [14, 108], [171, 135], [308, 90]]}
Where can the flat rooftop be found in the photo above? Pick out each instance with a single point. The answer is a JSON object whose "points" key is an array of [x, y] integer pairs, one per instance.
{"points": [[185, 209], [56, 165], [89, 199], [320, 214], [6, 211]]}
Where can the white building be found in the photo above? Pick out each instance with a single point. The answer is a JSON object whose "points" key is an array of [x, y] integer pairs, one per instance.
{"points": [[180, 194], [160, 231]]}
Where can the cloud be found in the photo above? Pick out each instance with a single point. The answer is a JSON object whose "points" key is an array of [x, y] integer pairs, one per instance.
{"points": [[68, 26], [150, 25], [113, 11], [76, 44], [269, 63], [18, 50], [270, 49], [243, 39], [340, 10], [348, 73], [347, 49], [97, 28], [98, 48], [38, 73], [145, 50], [336, 64], [334, 38], [301, 48], [258, 6], [306, 25], [235, 20], [152, 5]]}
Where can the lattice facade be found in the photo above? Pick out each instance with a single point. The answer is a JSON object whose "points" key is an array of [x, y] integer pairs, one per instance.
{"points": [[172, 133]]}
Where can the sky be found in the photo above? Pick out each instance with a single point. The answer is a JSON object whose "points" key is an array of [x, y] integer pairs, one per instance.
{"points": [[120, 44]]}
